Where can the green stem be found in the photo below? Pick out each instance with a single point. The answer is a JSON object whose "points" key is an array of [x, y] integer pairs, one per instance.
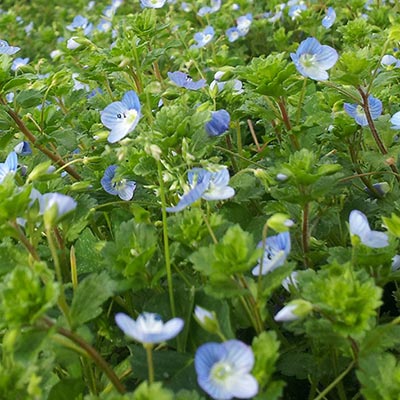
{"points": [[239, 138], [91, 352], [150, 365], [377, 67], [375, 134], [166, 242], [335, 382], [304, 232], [288, 125], [259, 278], [253, 307], [62, 302], [301, 98], [211, 232], [24, 240], [33, 140]]}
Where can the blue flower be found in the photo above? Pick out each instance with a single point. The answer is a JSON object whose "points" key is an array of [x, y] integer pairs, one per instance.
{"points": [[62, 202], [359, 226], [232, 34], [215, 6], [243, 24], [313, 59], [184, 80], [23, 148], [223, 370], [219, 123], [5, 48], [202, 38], [149, 328], [80, 22], [390, 61], [357, 112], [296, 10], [206, 185], [18, 63], [121, 116], [276, 250], [152, 3], [329, 18], [9, 166], [395, 120], [123, 188]]}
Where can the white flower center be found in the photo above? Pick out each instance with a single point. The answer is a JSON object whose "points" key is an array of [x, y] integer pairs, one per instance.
{"points": [[207, 38], [128, 116], [221, 371], [307, 60]]}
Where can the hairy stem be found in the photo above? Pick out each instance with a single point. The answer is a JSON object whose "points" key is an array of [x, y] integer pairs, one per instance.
{"points": [[32, 138], [288, 125], [375, 134], [91, 352], [166, 242]]}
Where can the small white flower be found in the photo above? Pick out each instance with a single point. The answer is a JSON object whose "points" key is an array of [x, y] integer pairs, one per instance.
{"points": [[359, 226], [149, 327]]}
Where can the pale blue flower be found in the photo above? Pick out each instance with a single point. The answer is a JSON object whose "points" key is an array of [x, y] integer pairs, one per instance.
{"points": [[223, 370], [152, 3], [104, 25], [62, 202], [381, 188], [72, 44], [219, 123], [121, 187], [215, 6], [329, 18], [236, 84], [395, 120], [395, 263], [291, 281], [206, 185], [293, 311], [276, 250], [357, 112], [232, 34], [186, 7], [121, 116], [9, 166], [203, 38], [80, 22], [390, 61], [149, 327], [5, 48], [28, 28], [243, 24], [296, 10], [313, 59], [23, 148], [18, 63], [184, 80], [359, 226]]}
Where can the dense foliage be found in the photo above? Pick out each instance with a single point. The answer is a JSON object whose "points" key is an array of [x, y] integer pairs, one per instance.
{"points": [[199, 199]]}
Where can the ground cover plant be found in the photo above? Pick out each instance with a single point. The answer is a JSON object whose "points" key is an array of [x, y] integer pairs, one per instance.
{"points": [[199, 199]]}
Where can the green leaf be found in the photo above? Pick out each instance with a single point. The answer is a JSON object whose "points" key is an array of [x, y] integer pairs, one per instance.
{"points": [[29, 98], [67, 389], [146, 391], [90, 294], [88, 256], [266, 351], [379, 375]]}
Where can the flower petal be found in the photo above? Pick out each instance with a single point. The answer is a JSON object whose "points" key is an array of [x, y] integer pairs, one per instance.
{"points": [[126, 324], [243, 386]]}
